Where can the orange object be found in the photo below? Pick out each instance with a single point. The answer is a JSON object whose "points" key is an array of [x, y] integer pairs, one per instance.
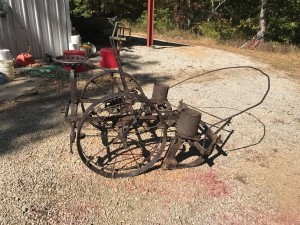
{"points": [[24, 59], [108, 59]]}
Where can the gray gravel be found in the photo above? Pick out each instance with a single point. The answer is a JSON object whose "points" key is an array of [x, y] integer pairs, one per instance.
{"points": [[41, 183]]}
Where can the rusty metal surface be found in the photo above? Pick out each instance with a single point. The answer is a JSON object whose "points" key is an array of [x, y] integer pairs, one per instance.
{"points": [[129, 132], [123, 133]]}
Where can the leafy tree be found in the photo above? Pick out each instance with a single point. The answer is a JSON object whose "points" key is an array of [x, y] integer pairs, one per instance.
{"points": [[218, 18], [283, 20], [85, 8]]}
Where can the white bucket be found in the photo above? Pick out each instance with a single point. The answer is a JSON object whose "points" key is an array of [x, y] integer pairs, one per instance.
{"points": [[5, 54], [7, 67], [73, 46], [76, 39]]}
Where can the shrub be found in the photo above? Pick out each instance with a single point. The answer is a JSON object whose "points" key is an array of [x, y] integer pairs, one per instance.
{"points": [[207, 29], [162, 21]]}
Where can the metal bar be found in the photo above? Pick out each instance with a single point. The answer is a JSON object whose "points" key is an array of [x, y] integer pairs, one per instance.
{"points": [[150, 23], [227, 68], [117, 56], [120, 117]]}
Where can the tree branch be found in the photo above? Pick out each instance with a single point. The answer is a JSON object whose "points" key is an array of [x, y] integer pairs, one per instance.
{"points": [[214, 10]]}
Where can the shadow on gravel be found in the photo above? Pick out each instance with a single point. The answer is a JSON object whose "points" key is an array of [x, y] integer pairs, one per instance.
{"points": [[149, 78], [31, 119], [133, 62], [157, 44]]}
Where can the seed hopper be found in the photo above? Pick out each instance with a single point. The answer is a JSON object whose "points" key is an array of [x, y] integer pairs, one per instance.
{"points": [[119, 132]]}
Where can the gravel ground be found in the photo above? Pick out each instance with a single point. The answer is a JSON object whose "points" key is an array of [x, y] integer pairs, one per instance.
{"points": [[41, 183]]}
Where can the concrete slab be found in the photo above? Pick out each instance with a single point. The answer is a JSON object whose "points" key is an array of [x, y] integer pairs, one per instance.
{"points": [[19, 86]]}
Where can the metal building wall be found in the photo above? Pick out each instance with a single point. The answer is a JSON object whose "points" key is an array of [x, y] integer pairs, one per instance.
{"points": [[45, 25]]}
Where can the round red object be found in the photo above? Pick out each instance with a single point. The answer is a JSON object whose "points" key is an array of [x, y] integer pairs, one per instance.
{"points": [[24, 59], [108, 59]]}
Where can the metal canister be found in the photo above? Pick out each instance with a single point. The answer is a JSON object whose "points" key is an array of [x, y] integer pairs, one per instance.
{"points": [[160, 92], [188, 123]]}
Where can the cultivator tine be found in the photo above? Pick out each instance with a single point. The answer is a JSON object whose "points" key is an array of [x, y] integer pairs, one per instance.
{"points": [[170, 161], [199, 147]]}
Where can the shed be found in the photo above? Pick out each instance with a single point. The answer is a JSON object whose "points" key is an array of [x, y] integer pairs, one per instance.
{"points": [[43, 25]]}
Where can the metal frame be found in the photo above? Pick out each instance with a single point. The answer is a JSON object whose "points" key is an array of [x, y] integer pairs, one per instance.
{"points": [[116, 112]]}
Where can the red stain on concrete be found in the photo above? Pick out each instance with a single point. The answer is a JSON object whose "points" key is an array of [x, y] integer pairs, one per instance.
{"points": [[213, 186], [240, 217], [80, 212], [288, 219], [216, 187], [180, 187]]}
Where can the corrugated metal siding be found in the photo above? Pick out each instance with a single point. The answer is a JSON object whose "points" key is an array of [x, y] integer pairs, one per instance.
{"points": [[43, 24]]}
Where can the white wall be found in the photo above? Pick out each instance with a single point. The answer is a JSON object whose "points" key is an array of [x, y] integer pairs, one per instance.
{"points": [[43, 24]]}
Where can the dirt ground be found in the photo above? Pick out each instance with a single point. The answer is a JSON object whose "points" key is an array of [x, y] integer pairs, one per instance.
{"points": [[256, 183]]}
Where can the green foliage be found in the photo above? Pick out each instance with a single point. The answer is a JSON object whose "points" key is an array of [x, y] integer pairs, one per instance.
{"points": [[283, 21], [208, 29], [162, 23], [85, 8], [141, 22], [233, 19], [218, 30], [248, 26], [227, 31]]}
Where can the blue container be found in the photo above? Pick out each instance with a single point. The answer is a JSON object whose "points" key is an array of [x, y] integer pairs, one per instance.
{"points": [[2, 78]]}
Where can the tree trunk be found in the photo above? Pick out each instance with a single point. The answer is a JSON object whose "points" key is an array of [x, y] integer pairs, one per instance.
{"points": [[189, 19], [260, 35], [262, 21]]}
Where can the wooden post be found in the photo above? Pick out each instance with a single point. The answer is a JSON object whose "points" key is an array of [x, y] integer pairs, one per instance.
{"points": [[150, 23]]}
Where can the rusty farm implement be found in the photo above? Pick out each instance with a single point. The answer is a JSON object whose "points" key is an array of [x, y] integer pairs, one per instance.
{"points": [[122, 133]]}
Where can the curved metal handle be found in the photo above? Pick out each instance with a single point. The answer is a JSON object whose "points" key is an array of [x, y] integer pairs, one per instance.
{"points": [[226, 68]]}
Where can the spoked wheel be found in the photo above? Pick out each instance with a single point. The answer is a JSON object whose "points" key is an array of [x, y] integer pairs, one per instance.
{"points": [[129, 138], [105, 83]]}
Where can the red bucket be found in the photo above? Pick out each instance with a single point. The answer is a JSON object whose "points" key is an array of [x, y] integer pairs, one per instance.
{"points": [[108, 59]]}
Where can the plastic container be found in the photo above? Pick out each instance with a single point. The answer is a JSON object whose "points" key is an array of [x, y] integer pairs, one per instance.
{"points": [[7, 68], [73, 46], [108, 59], [80, 68], [2, 78], [76, 39], [5, 54], [24, 59]]}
